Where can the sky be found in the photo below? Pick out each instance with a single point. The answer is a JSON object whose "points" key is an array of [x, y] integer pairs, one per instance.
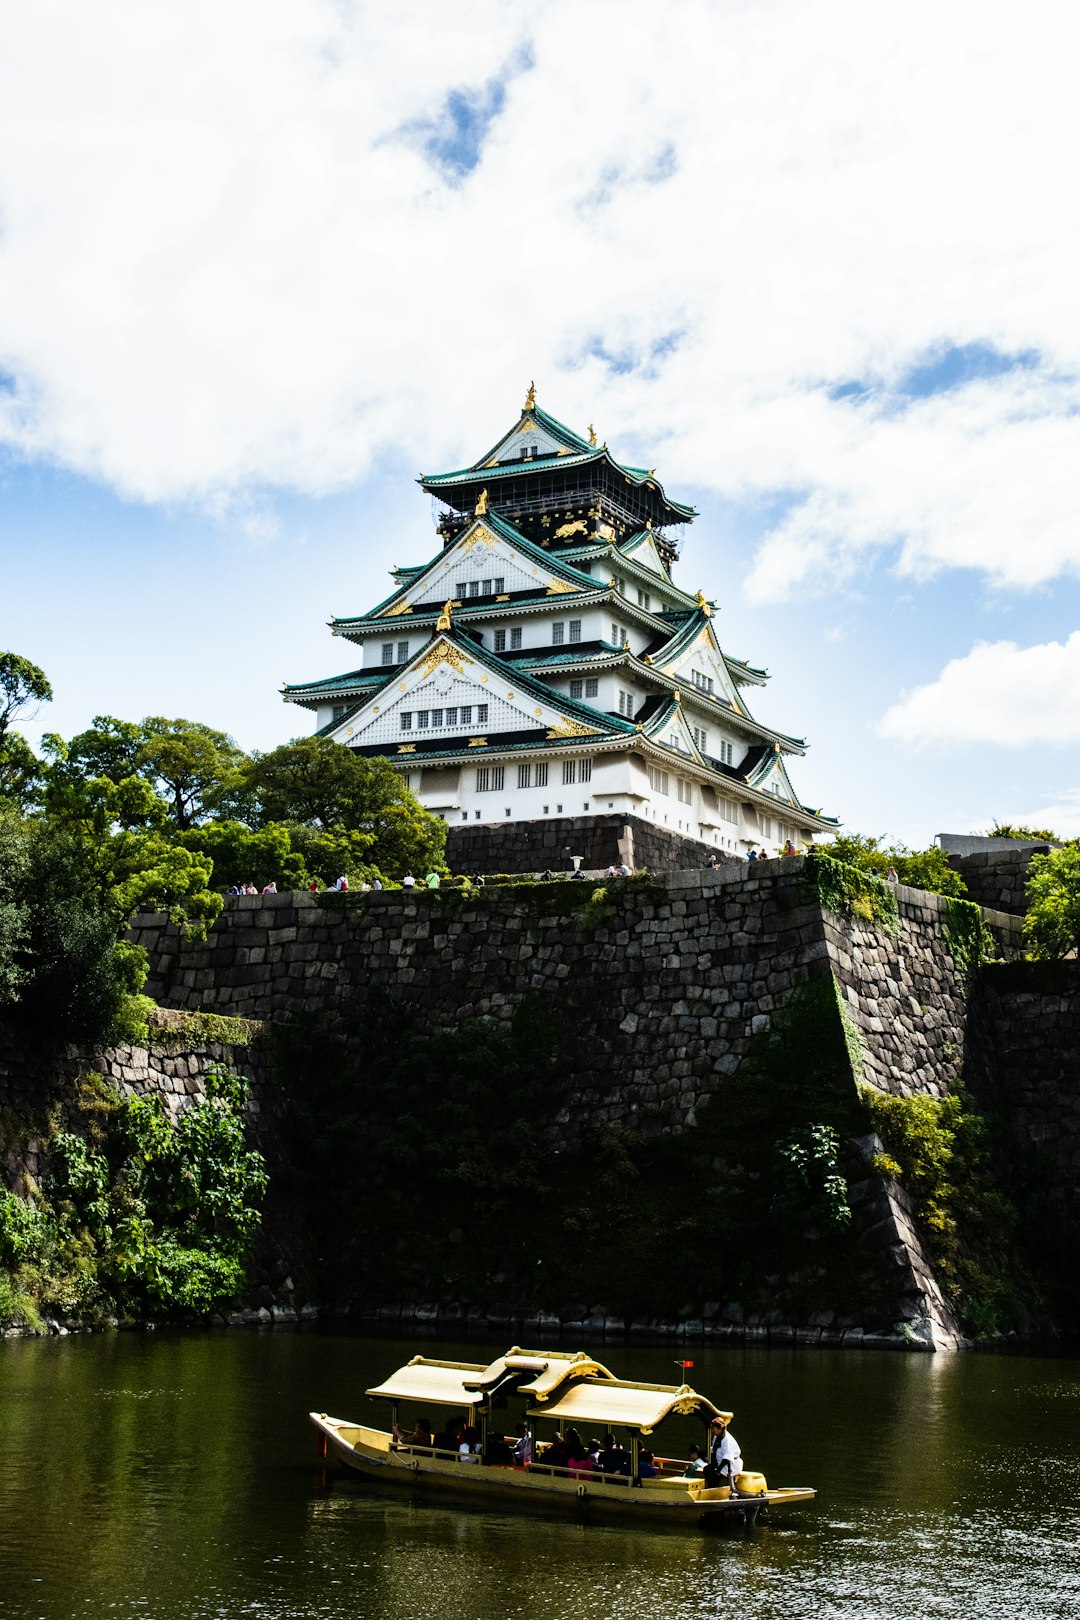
{"points": [[261, 264]]}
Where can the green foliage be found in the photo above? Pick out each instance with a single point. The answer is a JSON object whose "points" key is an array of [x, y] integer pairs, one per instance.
{"points": [[926, 869], [809, 1185], [943, 1151], [359, 812], [142, 1216], [850, 891], [1011, 829], [22, 686], [241, 855], [203, 1029], [968, 939], [1052, 924]]}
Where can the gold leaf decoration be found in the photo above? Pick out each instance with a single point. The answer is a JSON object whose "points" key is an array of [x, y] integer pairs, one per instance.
{"points": [[404, 606], [569, 529], [444, 652], [571, 728], [562, 587], [477, 742], [406, 748]]}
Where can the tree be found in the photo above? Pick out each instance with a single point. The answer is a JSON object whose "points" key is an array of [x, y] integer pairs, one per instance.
{"points": [[311, 780], [1009, 829], [22, 773], [926, 869], [358, 812], [191, 766], [13, 917], [1052, 924], [239, 854], [21, 684]]}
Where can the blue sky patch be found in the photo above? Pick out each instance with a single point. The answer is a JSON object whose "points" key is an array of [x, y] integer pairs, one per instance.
{"points": [[454, 138], [939, 370]]}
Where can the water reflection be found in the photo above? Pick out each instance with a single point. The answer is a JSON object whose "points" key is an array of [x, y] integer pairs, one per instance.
{"points": [[160, 1475]]}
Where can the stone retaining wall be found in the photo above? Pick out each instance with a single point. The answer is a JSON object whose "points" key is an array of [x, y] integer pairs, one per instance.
{"points": [[601, 841], [1028, 1063], [997, 878]]}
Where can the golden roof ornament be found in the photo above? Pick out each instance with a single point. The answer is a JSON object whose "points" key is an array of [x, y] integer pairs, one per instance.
{"points": [[482, 504], [592, 435], [443, 622], [530, 398], [705, 607]]}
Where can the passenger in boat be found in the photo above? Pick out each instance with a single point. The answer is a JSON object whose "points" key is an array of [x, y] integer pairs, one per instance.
{"points": [[419, 1436], [696, 1466], [646, 1464], [523, 1446], [450, 1435], [498, 1453], [469, 1449], [614, 1459], [578, 1458], [725, 1458], [557, 1454]]}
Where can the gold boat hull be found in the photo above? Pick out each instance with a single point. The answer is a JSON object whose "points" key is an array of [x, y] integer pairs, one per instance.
{"points": [[671, 1499]]}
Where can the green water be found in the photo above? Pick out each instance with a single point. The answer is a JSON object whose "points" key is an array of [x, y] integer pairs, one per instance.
{"points": [[166, 1475]]}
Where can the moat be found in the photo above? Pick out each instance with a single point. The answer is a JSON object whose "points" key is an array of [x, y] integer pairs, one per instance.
{"points": [[171, 1475]]}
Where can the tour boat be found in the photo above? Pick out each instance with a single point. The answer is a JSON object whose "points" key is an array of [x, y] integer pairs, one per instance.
{"points": [[562, 1389]]}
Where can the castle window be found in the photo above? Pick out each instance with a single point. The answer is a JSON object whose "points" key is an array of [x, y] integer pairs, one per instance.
{"points": [[481, 714], [461, 587], [644, 600], [584, 771], [575, 629], [466, 714], [406, 722], [626, 704], [421, 719], [402, 651], [474, 587], [684, 791], [569, 771], [701, 738], [703, 683], [592, 687], [451, 717], [485, 587], [541, 777], [500, 585], [616, 635], [726, 753], [524, 776], [658, 780], [339, 710], [558, 631], [436, 719], [575, 692], [515, 639], [388, 652], [500, 641]]}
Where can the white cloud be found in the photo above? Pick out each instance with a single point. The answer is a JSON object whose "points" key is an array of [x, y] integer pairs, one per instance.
{"points": [[1001, 694], [226, 264]]}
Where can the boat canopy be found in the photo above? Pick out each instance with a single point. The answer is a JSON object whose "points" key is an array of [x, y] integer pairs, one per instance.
{"points": [[612, 1402], [463, 1383]]}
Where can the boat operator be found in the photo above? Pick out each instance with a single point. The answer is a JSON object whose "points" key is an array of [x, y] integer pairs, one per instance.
{"points": [[725, 1458]]}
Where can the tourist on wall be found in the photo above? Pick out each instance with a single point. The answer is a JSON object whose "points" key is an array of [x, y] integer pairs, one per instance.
{"points": [[408, 881]]}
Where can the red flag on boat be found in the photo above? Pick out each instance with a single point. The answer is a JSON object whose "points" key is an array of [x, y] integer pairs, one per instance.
{"points": [[684, 1364]]}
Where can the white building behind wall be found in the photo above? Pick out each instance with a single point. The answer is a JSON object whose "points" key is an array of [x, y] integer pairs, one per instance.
{"points": [[544, 663]]}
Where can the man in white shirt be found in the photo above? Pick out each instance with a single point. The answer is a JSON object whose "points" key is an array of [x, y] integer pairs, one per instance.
{"points": [[725, 1458]]}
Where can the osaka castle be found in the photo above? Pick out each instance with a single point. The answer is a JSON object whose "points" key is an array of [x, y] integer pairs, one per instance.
{"points": [[545, 664]]}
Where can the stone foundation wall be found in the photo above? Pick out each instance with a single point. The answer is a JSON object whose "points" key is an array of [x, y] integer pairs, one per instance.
{"points": [[998, 878], [601, 840], [661, 999], [36, 1075], [1027, 1063]]}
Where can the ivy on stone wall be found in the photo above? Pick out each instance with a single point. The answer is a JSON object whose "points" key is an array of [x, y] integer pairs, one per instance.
{"points": [[141, 1216], [967, 938], [942, 1151], [850, 892]]}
